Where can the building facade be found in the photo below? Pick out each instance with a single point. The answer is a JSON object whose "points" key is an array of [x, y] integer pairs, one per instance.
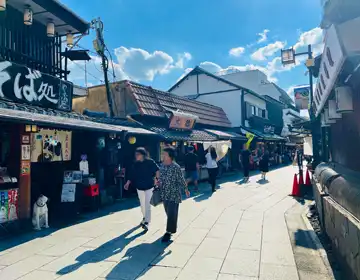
{"points": [[337, 102]]}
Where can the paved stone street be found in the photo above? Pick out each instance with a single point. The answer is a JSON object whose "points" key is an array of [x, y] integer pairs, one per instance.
{"points": [[243, 231]]}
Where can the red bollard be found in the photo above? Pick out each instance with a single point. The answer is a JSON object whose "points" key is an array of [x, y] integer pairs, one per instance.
{"points": [[296, 187]]}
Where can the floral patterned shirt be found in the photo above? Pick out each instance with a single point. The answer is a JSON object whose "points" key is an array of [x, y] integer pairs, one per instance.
{"points": [[172, 182]]}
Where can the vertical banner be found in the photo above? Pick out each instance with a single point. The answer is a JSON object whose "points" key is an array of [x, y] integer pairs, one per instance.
{"points": [[4, 206], [302, 95], [13, 204], [250, 137]]}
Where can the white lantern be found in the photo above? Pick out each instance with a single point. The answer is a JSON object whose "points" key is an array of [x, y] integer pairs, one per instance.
{"points": [[2, 5], [50, 29], [333, 115], [69, 40], [28, 15], [344, 101]]}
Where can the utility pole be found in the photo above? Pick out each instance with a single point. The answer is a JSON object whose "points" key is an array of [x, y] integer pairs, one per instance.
{"points": [[288, 57], [100, 47]]}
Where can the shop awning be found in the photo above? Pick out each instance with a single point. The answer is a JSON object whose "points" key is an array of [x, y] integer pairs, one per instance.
{"points": [[228, 135], [32, 115], [263, 136], [191, 135]]}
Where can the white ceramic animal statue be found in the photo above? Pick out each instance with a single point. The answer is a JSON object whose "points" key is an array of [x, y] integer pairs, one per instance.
{"points": [[40, 213]]}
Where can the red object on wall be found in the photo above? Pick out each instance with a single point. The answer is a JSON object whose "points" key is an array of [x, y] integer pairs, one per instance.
{"points": [[91, 190]]}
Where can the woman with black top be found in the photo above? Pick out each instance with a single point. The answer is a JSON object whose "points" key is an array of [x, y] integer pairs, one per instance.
{"points": [[212, 167], [264, 163], [143, 177]]}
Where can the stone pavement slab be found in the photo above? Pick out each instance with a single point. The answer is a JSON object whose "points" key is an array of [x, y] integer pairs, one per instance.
{"points": [[241, 232]]}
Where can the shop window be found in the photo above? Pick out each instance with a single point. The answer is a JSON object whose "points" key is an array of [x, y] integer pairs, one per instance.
{"points": [[253, 110], [262, 113]]}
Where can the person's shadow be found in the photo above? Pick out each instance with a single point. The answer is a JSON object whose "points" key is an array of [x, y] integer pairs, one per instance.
{"points": [[106, 250], [139, 261], [262, 181]]}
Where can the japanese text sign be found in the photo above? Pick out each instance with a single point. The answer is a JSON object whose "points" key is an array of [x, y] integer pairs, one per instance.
{"points": [[182, 122], [24, 85]]}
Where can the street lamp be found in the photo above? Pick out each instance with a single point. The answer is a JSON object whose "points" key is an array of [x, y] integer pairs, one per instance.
{"points": [[288, 57]]}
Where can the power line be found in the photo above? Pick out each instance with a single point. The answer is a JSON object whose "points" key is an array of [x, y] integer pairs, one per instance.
{"points": [[93, 76]]}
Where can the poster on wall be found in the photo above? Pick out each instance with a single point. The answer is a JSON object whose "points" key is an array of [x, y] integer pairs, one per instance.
{"points": [[68, 193], [8, 205], [4, 206], [25, 152], [25, 168], [13, 204], [302, 97], [50, 145]]}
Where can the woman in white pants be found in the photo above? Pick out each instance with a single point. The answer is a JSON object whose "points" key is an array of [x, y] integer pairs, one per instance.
{"points": [[143, 177]]}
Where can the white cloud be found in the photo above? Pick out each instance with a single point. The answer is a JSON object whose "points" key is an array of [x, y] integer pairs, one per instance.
{"points": [[267, 51], [133, 63], [237, 51], [140, 65], [313, 37], [210, 66], [263, 36], [187, 70]]}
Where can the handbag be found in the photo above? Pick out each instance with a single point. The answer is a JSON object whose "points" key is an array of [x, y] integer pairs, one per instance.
{"points": [[156, 197]]}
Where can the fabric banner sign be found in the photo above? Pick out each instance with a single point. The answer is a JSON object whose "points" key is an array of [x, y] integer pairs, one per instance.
{"points": [[24, 85], [8, 205], [51, 145], [302, 95], [250, 137]]}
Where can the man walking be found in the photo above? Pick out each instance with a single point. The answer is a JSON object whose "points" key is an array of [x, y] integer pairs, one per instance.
{"points": [[143, 177], [192, 167]]}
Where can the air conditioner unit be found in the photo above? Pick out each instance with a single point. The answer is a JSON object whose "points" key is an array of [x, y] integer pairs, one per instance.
{"points": [[327, 120], [333, 114], [323, 122], [344, 100]]}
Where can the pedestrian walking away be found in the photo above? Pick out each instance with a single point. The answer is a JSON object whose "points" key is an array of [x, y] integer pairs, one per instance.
{"points": [[212, 167], [172, 183], [143, 176], [245, 160], [264, 163], [192, 167]]}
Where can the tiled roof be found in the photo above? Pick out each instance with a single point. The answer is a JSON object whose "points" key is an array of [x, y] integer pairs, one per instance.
{"points": [[152, 102], [193, 135], [37, 115]]}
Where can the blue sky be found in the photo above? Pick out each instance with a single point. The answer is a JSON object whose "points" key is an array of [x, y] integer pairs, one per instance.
{"points": [[156, 41]]}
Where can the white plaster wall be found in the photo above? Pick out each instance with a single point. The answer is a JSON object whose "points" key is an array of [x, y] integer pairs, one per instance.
{"points": [[253, 100], [254, 80], [206, 84], [229, 101]]}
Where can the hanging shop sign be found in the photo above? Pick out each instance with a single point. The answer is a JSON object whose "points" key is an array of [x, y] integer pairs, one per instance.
{"points": [[8, 205], [24, 85], [269, 129], [180, 120], [302, 95], [51, 145], [332, 61]]}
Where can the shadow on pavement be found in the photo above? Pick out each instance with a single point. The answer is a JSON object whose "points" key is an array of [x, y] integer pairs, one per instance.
{"points": [[10, 241], [262, 181], [103, 252], [135, 262], [302, 238]]}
